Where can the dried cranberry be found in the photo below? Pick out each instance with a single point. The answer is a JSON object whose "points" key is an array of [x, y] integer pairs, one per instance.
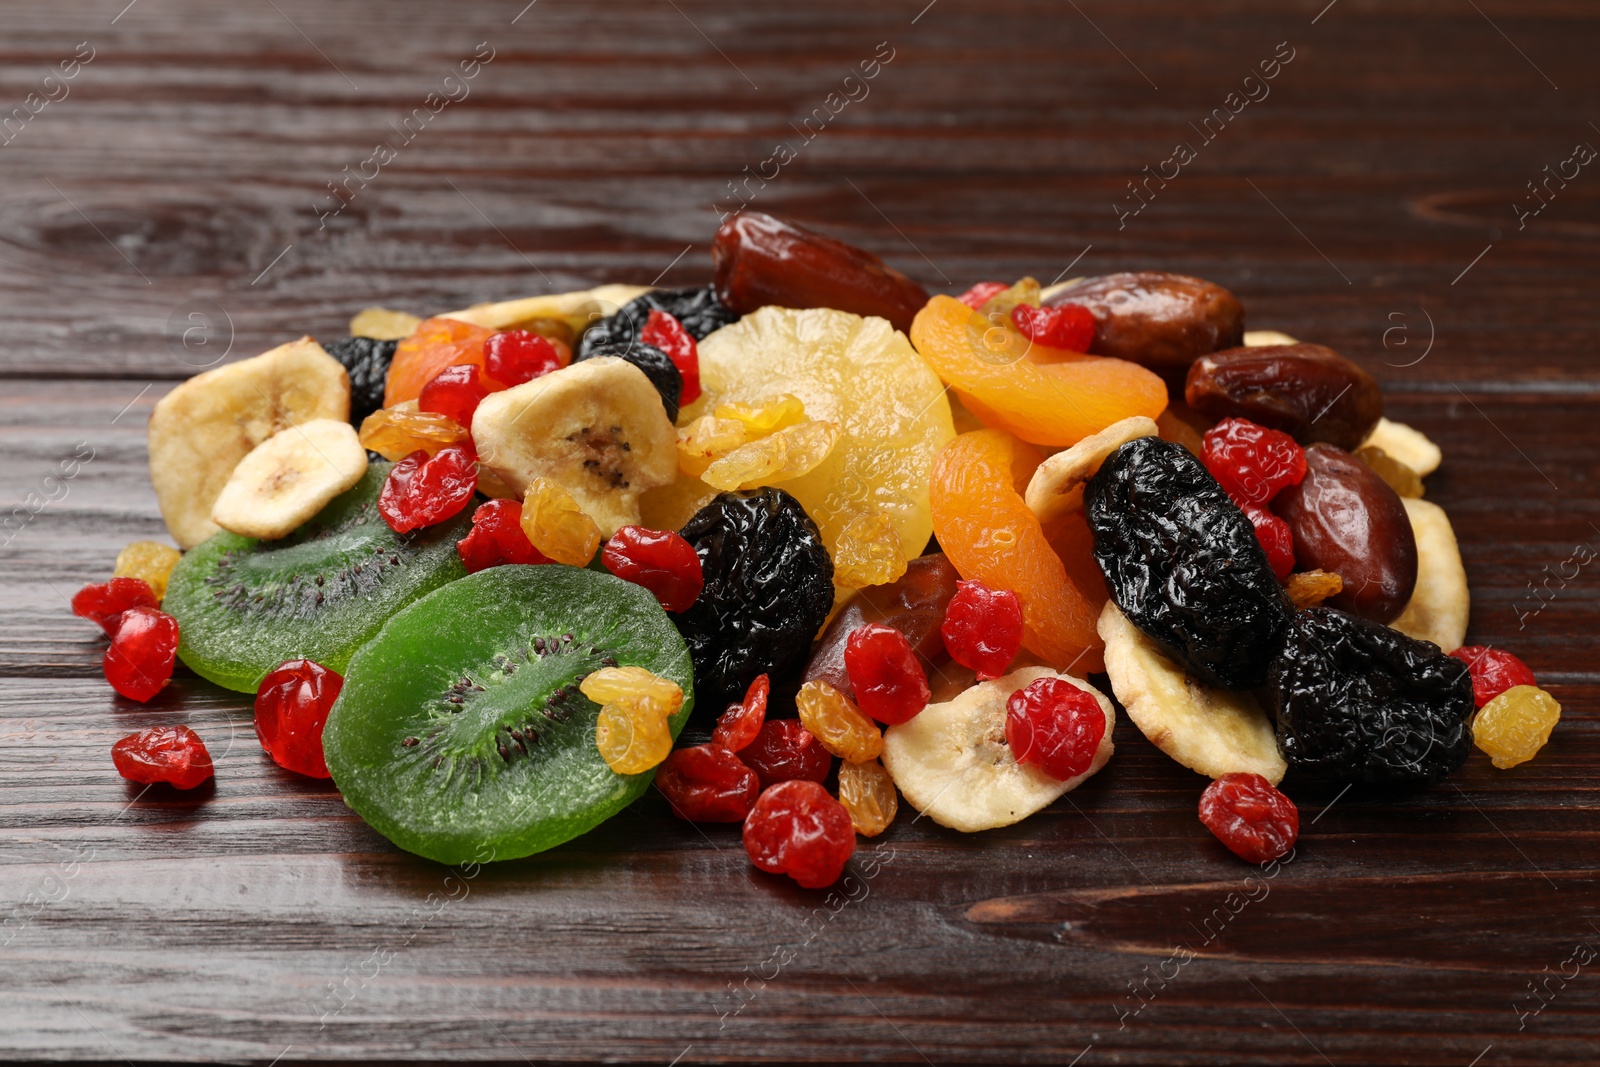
{"points": [[139, 662], [797, 829], [888, 679], [104, 604], [983, 628], [172, 754], [422, 490], [496, 537], [982, 293], [292, 705], [517, 356], [660, 560], [1493, 671], [667, 333], [1055, 726], [455, 392], [1276, 538], [707, 783], [1252, 462], [783, 751], [1248, 814], [1069, 326], [738, 726]]}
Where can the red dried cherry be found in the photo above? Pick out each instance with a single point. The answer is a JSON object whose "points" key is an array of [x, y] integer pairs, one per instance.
{"points": [[1493, 671], [1248, 814], [982, 293], [104, 604], [668, 334], [1276, 538], [660, 560], [1055, 726], [797, 829], [516, 356], [707, 783], [784, 751], [455, 392], [982, 628], [1067, 326], [292, 705], [885, 674], [496, 537], [172, 754], [423, 490], [139, 662], [738, 726], [1253, 463]]}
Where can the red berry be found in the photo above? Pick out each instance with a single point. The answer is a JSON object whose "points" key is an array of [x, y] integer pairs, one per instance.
{"points": [[517, 356], [422, 490], [1069, 327], [797, 829], [1248, 814], [104, 604], [496, 537], [1252, 462], [1493, 671], [667, 333], [738, 726], [172, 754], [292, 705], [707, 783], [139, 662], [454, 392], [982, 628], [784, 751], [982, 293], [660, 560], [1276, 539], [1055, 726], [888, 679]]}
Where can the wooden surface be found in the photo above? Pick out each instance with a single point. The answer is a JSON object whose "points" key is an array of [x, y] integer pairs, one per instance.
{"points": [[263, 920]]}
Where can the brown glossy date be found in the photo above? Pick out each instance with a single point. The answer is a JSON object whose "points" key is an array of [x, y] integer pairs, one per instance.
{"points": [[1308, 391], [1346, 519], [759, 260], [914, 605], [1162, 321]]}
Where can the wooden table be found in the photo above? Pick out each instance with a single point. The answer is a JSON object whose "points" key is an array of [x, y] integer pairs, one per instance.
{"points": [[1365, 200]]}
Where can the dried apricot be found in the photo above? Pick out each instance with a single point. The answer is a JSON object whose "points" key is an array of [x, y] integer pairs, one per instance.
{"points": [[436, 343]]}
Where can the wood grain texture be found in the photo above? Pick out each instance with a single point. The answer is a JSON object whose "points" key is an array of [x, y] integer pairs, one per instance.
{"points": [[262, 919]]}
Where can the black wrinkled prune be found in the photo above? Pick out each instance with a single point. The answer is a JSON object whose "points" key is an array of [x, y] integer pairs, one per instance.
{"points": [[768, 590], [367, 359], [656, 364], [698, 309], [1358, 702], [1183, 563]]}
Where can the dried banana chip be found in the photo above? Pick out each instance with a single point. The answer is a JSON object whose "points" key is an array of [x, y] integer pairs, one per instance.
{"points": [[1405, 444], [289, 477], [1439, 606], [1057, 485], [577, 309], [1257, 338]]}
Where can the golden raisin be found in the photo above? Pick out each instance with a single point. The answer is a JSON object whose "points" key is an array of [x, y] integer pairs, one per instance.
{"points": [[557, 526], [867, 793], [784, 454], [631, 737], [383, 324], [619, 685], [706, 440], [765, 417], [394, 433], [149, 560], [1515, 725], [832, 718], [1307, 589], [1401, 478], [868, 552]]}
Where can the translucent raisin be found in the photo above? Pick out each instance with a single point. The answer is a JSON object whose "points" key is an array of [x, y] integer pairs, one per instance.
{"points": [[1307, 589], [394, 433], [868, 552], [834, 720], [1515, 725], [632, 732], [150, 561], [556, 526], [868, 794]]}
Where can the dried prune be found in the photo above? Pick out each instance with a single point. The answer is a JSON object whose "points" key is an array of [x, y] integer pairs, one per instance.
{"points": [[656, 364], [698, 309], [768, 589], [1358, 702], [367, 360], [1183, 563]]}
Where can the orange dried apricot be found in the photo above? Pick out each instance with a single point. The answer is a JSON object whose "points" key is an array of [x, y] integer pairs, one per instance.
{"points": [[1043, 396], [435, 344], [990, 534]]}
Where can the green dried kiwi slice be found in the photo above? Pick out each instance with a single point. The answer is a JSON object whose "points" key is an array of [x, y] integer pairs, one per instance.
{"points": [[244, 606], [461, 734]]}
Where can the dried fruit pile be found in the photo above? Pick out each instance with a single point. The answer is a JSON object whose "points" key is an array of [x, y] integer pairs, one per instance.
{"points": [[478, 567]]}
